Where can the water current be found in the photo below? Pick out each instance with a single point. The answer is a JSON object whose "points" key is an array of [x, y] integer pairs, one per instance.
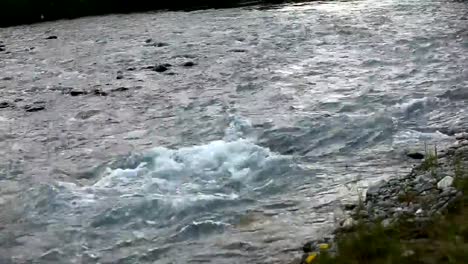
{"points": [[239, 157]]}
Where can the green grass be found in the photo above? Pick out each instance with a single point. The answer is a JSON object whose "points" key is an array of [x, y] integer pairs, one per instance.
{"points": [[442, 239]]}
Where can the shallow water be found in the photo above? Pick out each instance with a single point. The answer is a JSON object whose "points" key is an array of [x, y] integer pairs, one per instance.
{"points": [[242, 157]]}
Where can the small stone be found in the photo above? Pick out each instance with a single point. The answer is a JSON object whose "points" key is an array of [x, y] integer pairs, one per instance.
{"points": [[462, 135], [99, 92], [149, 40], [309, 246], [415, 155], [87, 114], [35, 107], [350, 206], [445, 183], [120, 89], [8, 78], [76, 92], [5, 104], [160, 68], [52, 37], [51, 255], [408, 253], [119, 75], [160, 44], [348, 223], [189, 64], [386, 222], [131, 68]]}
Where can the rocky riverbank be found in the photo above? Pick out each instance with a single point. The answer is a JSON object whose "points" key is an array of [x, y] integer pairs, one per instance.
{"points": [[418, 198]]}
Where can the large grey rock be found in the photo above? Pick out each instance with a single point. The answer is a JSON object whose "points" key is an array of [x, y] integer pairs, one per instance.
{"points": [[445, 183]]}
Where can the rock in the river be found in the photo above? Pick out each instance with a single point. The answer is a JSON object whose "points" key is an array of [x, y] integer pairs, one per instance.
{"points": [[35, 107], [160, 44], [87, 114], [119, 75], [52, 37], [76, 92], [99, 92], [5, 105], [160, 68], [51, 255], [120, 89], [189, 64], [445, 183], [415, 155]]}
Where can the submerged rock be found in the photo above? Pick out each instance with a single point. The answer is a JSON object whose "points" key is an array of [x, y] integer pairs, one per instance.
{"points": [[52, 37]]}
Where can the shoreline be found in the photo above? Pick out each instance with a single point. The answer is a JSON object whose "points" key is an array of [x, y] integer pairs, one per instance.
{"points": [[419, 197]]}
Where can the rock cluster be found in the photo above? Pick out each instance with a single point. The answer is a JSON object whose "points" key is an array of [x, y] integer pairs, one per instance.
{"points": [[426, 191]]}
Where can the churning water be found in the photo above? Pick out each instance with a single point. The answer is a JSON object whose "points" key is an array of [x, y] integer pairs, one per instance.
{"points": [[240, 158]]}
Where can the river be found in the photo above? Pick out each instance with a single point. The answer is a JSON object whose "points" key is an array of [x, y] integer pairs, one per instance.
{"points": [[265, 122]]}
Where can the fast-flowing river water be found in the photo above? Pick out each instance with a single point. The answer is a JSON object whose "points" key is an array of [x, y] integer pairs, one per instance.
{"points": [[264, 122]]}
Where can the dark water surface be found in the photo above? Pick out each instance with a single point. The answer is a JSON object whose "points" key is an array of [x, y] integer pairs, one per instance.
{"points": [[239, 158]]}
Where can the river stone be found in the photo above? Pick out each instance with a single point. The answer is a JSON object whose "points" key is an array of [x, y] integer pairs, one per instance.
{"points": [[160, 68], [119, 75], [76, 92], [386, 222], [462, 135], [415, 155], [445, 183], [348, 223], [35, 107], [51, 255], [5, 104], [189, 64]]}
